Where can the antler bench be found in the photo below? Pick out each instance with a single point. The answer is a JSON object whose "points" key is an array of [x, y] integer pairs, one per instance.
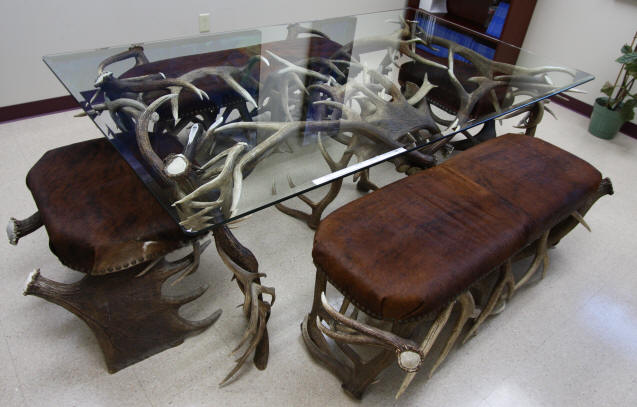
{"points": [[445, 237]]}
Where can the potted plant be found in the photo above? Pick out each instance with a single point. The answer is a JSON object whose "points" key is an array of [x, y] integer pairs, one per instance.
{"points": [[618, 107]]}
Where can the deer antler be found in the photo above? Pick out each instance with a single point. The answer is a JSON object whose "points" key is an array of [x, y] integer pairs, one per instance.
{"points": [[134, 51], [254, 307], [224, 179], [225, 73], [294, 30], [408, 354]]}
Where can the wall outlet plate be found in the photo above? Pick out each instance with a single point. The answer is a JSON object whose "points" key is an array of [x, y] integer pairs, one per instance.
{"points": [[204, 22]]}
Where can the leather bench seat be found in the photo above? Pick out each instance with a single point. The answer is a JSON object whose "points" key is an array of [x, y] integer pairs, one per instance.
{"points": [[99, 216], [411, 247]]}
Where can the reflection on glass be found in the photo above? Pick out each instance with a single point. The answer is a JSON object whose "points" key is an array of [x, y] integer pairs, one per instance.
{"points": [[220, 126]]}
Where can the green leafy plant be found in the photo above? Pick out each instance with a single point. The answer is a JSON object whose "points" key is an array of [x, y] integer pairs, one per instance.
{"points": [[619, 94]]}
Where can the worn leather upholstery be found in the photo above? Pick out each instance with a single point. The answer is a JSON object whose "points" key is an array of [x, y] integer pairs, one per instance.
{"points": [[545, 182], [99, 216], [411, 247]]}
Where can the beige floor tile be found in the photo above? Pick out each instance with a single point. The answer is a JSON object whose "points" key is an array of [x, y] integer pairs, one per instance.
{"points": [[589, 362], [10, 389]]}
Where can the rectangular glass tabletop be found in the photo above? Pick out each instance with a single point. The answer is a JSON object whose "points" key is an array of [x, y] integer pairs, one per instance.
{"points": [[223, 125]]}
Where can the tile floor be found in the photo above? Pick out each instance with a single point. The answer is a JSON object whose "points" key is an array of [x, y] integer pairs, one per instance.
{"points": [[570, 340]]}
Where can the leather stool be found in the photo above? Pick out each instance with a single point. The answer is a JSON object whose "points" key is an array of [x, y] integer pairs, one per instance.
{"points": [[102, 221]]}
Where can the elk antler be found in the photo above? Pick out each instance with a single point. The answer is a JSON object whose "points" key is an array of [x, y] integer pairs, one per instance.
{"points": [[225, 73], [408, 354], [254, 307]]}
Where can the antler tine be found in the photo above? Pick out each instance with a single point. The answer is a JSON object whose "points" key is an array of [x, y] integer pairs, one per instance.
{"points": [[422, 91], [256, 309], [135, 51], [291, 67], [372, 97], [179, 300], [295, 29], [143, 140], [325, 62], [259, 335], [244, 276], [356, 338], [255, 312], [239, 89], [128, 106], [283, 130], [549, 111], [226, 73], [149, 83], [194, 263], [206, 168], [150, 266], [326, 155], [225, 182], [578, 216], [487, 66], [251, 309], [387, 338], [198, 220], [127, 102], [253, 60]]}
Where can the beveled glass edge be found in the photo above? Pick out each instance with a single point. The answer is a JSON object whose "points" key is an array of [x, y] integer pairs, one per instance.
{"points": [[314, 184], [374, 161]]}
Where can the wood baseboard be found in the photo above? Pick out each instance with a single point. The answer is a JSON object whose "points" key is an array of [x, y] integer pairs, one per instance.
{"points": [[583, 108], [24, 110]]}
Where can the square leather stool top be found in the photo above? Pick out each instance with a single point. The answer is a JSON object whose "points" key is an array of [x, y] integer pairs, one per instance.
{"points": [[409, 248], [99, 216]]}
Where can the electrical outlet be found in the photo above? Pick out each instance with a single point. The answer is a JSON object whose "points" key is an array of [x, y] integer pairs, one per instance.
{"points": [[204, 22]]}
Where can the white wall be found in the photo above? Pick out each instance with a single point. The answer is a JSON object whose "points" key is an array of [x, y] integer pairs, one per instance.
{"points": [[583, 34], [30, 29]]}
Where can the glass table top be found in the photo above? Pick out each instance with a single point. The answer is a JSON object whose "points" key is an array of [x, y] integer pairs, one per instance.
{"points": [[219, 126]]}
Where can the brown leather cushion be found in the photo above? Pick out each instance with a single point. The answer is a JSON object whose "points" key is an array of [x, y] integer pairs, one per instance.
{"points": [[545, 182], [548, 183], [99, 216], [414, 245]]}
